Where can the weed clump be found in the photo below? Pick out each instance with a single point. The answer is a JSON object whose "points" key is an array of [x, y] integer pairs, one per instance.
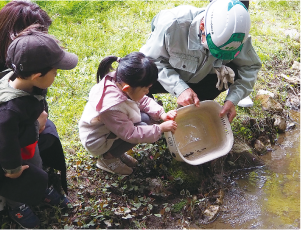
{"points": [[186, 176]]}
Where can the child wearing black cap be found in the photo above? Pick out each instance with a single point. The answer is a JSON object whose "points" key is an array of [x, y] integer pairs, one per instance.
{"points": [[34, 58]]}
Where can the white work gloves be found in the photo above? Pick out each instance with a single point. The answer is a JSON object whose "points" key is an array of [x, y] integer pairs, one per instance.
{"points": [[224, 75]]}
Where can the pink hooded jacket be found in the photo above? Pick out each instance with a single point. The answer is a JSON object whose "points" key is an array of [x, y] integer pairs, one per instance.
{"points": [[109, 110]]}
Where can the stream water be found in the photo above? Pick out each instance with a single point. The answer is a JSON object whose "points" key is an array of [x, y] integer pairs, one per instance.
{"points": [[269, 196]]}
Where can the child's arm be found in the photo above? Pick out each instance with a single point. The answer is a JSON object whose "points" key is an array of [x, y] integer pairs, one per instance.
{"points": [[156, 112], [151, 107], [119, 124], [170, 115], [169, 124], [10, 151]]}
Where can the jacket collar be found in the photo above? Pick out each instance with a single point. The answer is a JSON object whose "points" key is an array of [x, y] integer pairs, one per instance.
{"points": [[194, 42], [106, 87], [8, 93]]}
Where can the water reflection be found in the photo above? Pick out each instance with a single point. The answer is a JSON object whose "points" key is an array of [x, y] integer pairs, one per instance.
{"points": [[192, 134], [269, 196]]}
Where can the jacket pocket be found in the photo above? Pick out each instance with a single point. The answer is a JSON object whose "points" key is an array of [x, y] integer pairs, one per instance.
{"points": [[184, 62]]}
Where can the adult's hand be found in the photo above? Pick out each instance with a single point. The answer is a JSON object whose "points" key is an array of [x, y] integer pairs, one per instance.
{"points": [[188, 97], [229, 110], [16, 175]]}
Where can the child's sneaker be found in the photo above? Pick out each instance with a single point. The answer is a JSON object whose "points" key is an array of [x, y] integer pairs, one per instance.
{"points": [[128, 160], [113, 165], [24, 216], [54, 198]]}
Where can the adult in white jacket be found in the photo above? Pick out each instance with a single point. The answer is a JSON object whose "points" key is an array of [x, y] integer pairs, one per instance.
{"points": [[198, 51]]}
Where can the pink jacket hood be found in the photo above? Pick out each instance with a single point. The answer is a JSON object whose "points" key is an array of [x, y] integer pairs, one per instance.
{"points": [[107, 86]]}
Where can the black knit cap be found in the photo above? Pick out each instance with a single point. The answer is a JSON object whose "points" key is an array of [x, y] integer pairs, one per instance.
{"points": [[39, 50]]}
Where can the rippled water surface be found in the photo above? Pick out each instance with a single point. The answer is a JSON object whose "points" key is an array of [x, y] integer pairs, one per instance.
{"points": [[192, 135], [266, 197]]}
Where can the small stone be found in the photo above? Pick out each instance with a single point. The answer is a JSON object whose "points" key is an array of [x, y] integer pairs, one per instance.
{"points": [[245, 120], [211, 212], [293, 102], [260, 147], [265, 92], [220, 199], [269, 104], [291, 125], [296, 65], [155, 185], [293, 34], [291, 80], [279, 123]]}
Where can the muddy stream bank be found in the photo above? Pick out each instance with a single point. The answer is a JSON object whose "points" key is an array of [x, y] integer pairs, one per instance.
{"points": [[267, 196]]}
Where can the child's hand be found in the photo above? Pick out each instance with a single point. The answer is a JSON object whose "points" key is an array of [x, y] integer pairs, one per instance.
{"points": [[168, 126], [42, 120], [170, 115], [16, 175]]}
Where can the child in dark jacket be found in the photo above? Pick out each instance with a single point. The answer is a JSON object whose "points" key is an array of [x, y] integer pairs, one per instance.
{"points": [[34, 58], [15, 16]]}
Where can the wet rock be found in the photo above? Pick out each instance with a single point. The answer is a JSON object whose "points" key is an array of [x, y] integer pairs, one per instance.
{"points": [[220, 197], [266, 141], [211, 212], [296, 65], [253, 121], [293, 102], [265, 92], [259, 147], [242, 156], [186, 176], [245, 120], [241, 147], [291, 80], [293, 34], [269, 104], [291, 125], [279, 123], [155, 185]]}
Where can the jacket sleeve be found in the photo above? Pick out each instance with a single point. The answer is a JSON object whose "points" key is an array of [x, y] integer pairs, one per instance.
{"points": [[150, 107], [119, 124], [169, 78], [10, 151], [248, 64]]}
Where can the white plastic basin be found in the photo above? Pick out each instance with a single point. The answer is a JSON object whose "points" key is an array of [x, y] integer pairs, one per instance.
{"points": [[201, 135]]}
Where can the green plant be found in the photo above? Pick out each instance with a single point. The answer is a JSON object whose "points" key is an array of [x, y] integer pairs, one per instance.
{"points": [[185, 176], [177, 207]]}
